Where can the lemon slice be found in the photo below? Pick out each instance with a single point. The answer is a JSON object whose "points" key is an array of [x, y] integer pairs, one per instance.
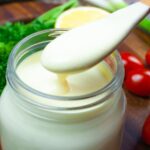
{"points": [[79, 16]]}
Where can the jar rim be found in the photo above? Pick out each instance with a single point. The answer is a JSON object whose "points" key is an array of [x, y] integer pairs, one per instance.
{"points": [[115, 82]]}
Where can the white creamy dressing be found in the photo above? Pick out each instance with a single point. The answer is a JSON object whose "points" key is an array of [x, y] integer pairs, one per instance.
{"points": [[85, 46], [36, 76]]}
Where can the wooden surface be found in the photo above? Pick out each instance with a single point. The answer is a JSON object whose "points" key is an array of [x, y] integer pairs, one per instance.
{"points": [[138, 42], [24, 11], [138, 108], [147, 2]]}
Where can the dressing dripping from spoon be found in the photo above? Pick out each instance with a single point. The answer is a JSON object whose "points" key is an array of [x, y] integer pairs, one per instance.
{"points": [[82, 48]]}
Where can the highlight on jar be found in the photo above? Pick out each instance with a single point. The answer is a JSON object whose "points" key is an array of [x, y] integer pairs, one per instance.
{"points": [[64, 86]]}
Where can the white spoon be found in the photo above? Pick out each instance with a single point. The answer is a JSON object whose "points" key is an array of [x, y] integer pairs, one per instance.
{"points": [[85, 46]]}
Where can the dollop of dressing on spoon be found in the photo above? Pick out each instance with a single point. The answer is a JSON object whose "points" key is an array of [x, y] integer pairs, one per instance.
{"points": [[85, 46]]}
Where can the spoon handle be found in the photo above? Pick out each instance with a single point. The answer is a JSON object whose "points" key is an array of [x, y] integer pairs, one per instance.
{"points": [[147, 2]]}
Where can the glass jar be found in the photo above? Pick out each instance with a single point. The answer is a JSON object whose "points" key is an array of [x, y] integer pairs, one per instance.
{"points": [[31, 120]]}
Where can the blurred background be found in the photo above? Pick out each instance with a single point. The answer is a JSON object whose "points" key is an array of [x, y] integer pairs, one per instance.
{"points": [[55, 1], [6, 1], [20, 10]]}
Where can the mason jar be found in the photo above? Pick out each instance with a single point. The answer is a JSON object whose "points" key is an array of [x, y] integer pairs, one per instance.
{"points": [[33, 120]]}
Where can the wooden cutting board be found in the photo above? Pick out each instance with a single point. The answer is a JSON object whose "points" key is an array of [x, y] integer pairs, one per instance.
{"points": [[137, 42]]}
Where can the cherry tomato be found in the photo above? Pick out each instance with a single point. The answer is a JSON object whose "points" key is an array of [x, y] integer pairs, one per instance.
{"points": [[147, 57], [138, 82], [130, 62], [146, 131]]}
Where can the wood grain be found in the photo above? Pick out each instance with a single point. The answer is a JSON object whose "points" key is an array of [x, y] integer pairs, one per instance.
{"points": [[24, 11], [137, 42]]}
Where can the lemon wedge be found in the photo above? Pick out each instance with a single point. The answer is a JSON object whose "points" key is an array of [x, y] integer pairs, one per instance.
{"points": [[79, 16]]}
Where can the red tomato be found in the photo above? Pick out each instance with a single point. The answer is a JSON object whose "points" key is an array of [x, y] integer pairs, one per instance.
{"points": [[138, 82], [130, 62], [146, 131], [147, 57]]}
